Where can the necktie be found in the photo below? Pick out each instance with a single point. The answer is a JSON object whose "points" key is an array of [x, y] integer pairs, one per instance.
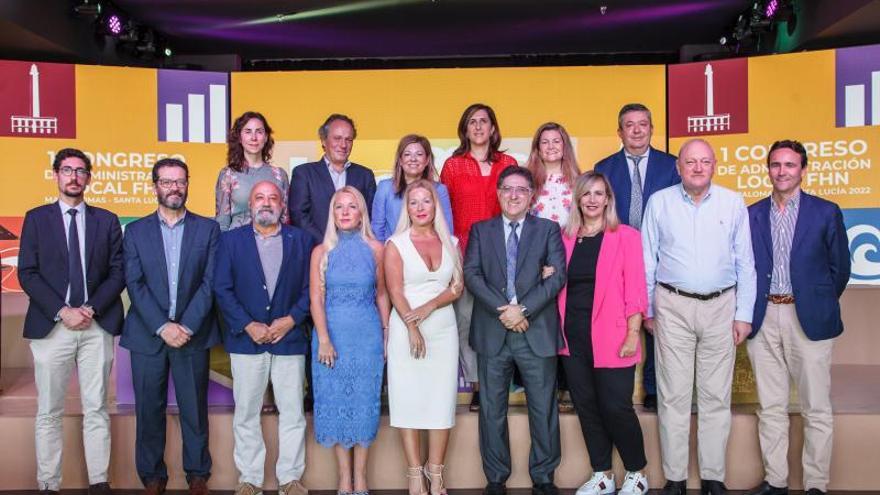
{"points": [[75, 272], [512, 243], [635, 196]]}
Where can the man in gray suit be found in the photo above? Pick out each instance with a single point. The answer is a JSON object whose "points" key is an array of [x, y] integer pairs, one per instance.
{"points": [[516, 323]]}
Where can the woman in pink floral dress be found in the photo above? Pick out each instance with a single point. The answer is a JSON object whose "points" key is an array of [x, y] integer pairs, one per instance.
{"points": [[555, 169]]}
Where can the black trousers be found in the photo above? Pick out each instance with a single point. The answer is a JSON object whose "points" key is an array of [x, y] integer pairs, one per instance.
{"points": [[603, 401]]}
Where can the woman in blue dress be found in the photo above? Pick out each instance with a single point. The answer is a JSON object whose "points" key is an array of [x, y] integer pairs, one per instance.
{"points": [[414, 160], [350, 310]]}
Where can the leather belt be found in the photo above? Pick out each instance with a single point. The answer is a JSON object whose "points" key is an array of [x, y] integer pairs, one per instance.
{"points": [[781, 298], [692, 295]]}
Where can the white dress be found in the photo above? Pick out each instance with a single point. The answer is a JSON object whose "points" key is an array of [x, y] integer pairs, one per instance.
{"points": [[422, 393]]}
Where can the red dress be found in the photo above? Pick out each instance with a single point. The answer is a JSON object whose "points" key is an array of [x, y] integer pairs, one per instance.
{"points": [[473, 196]]}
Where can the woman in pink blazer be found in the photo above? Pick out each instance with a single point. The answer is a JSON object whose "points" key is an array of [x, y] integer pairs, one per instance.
{"points": [[601, 307]]}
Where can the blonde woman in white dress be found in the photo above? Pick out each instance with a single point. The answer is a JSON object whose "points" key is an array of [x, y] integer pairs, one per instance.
{"points": [[423, 275]]}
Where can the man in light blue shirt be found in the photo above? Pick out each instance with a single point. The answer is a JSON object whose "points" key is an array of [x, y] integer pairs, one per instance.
{"points": [[701, 293]]}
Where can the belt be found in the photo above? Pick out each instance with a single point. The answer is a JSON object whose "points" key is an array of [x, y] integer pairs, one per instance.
{"points": [[692, 295], [781, 298]]}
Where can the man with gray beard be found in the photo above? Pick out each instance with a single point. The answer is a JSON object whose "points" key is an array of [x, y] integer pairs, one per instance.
{"points": [[262, 287], [170, 327]]}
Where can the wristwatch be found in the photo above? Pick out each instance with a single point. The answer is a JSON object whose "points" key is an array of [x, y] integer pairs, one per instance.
{"points": [[524, 310]]}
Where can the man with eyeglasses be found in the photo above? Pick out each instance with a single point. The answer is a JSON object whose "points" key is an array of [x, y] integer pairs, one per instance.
{"points": [[170, 327], [515, 323], [70, 266], [701, 292]]}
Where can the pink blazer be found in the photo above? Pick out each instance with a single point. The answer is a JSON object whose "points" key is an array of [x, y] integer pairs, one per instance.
{"points": [[620, 293]]}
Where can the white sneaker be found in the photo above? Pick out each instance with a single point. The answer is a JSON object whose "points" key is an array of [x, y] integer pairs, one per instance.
{"points": [[634, 484], [599, 484]]}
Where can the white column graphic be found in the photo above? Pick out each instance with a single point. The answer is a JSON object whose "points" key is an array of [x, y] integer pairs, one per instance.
{"points": [[217, 113], [35, 91], [875, 97], [195, 116], [854, 105], [710, 91], [174, 122]]}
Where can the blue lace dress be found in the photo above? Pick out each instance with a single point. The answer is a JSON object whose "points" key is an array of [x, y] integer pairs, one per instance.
{"points": [[347, 396]]}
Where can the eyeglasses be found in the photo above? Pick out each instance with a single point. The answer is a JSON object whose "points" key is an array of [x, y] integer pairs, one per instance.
{"points": [[167, 183], [81, 173], [508, 190]]}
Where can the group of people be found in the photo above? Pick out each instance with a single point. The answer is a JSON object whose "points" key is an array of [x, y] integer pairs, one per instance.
{"points": [[328, 282]]}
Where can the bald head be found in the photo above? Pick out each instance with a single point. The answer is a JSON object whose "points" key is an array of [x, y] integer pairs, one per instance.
{"points": [[266, 204], [696, 166]]}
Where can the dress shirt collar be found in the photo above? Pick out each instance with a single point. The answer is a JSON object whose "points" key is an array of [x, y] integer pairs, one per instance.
{"points": [[644, 155], [333, 170], [687, 197], [165, 222], [507, 222], [793, 202], [276, 233], [80, 208]]}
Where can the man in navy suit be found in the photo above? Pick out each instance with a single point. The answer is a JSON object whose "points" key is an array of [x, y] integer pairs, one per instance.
{"points": [[70, 265], [262, 287], [655, 171], [313, 184], [169, 269], [803, 265]]}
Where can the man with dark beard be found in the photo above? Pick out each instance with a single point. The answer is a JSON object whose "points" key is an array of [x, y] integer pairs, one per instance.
{"points": [[262, 288], [170, 327], [70, 266]]}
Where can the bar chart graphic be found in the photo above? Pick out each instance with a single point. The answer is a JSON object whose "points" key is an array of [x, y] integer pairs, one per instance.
{"points": [[193, 107], [857, 86]]}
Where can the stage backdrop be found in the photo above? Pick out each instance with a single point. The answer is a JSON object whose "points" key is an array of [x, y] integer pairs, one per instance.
{"points": [[829, 100], [129, 118]]}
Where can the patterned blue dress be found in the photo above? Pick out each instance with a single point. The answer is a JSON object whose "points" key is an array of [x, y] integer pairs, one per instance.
{"points": [[347, 396]]}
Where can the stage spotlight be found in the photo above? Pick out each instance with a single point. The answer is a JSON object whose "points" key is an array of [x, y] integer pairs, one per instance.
{"points": [[114, 25], [88, 9]]}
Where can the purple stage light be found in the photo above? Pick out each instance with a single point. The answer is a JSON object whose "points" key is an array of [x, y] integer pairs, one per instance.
{"points": [[772, 7], [114, 25]]}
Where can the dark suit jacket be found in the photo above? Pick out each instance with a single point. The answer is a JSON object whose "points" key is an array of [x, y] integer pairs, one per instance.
{"points": [[660, 174], [311, 189], [146, 275], [43, 268], [240, 288], [485, 274], [819, 264]]}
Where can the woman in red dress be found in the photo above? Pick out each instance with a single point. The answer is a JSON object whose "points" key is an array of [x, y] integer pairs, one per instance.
{"points": [[470, 175]]}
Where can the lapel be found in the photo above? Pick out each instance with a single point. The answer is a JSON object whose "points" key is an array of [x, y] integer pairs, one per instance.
{"points": [[250, 240], [607, 256], [528, 229], [802, 225], [324, 179], [158, 248], [620, 178], [57, 220], [651, 171], [189, 236], [762, 227], [350, 176], [91, 234], [497, 236], [286, 248]]}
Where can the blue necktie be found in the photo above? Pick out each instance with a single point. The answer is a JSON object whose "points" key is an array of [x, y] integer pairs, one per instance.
{"points": [[512, 243], [74, 271], [635, 198]]}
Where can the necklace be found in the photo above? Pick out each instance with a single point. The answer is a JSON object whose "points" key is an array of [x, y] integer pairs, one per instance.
{"points": [[587, 233]]}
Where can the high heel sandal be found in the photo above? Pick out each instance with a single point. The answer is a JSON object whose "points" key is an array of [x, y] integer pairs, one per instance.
{"points": [[432, 472], [413, 473]]}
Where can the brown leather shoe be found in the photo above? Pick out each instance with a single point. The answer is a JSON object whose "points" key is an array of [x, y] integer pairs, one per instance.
{"points": [[294, 487], [155, 487], [198, 486]]}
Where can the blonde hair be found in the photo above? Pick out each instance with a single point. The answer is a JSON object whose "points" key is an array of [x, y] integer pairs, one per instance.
{"points": [[331, 234], [581, 188], [440, 227]]}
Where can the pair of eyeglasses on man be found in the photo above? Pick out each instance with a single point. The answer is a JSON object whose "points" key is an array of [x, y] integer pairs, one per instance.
{"points": [[508, 190], [68, 171], [167, 183]]}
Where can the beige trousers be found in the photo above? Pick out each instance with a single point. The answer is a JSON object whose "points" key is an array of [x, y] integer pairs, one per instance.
{"points": [[781, 352], [692, 335], [90, 351]]}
